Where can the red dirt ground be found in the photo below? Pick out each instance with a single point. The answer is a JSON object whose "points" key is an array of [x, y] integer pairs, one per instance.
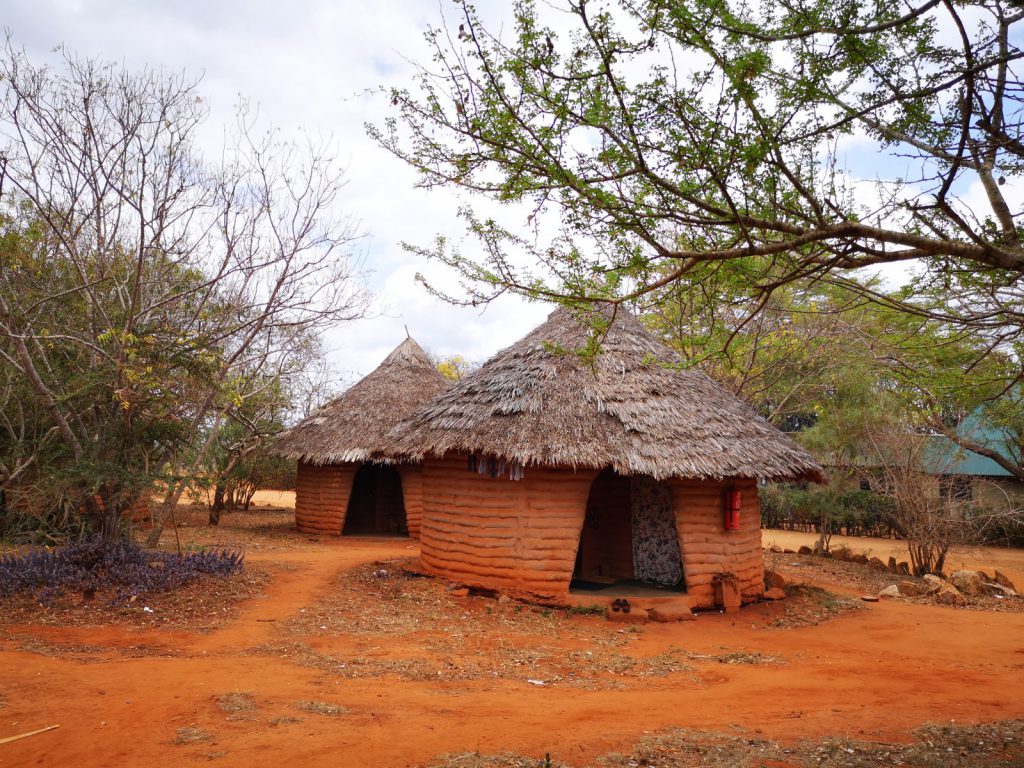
{"points": [[141, 696]]}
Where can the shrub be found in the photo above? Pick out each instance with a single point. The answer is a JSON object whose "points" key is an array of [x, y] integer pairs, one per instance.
{"points": [[856, 512], [120, 567]]}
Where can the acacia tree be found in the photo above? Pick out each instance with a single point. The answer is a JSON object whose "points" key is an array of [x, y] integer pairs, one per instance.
{"points": [[662, 135], [146, 294]]}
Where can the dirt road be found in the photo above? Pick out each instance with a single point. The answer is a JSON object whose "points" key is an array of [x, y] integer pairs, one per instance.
{"points": [[150, 697]]}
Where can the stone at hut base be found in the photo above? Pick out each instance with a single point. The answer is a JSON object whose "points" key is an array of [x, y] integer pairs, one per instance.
{"points": [[459, 592], [968, 582], [669, 615], [504, 599], [950, 595], [775, 593], [774, 579]]}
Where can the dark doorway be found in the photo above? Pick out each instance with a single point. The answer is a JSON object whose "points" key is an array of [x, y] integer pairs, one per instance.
{"points": [[606, 541], [376, 506], [629, 540]]}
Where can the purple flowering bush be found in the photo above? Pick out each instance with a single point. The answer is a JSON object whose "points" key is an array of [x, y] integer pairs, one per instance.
{"points": [[120, 568]]}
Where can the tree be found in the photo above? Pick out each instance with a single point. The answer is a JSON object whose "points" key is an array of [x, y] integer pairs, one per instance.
{"points": [[148, 296], [453, 367], [665, 135], [874, 392]]}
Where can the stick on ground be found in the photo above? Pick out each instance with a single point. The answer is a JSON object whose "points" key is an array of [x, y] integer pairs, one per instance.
{"points": [[26, 735]]}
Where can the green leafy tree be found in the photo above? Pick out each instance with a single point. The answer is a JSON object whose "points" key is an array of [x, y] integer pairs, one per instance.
{"points": [[807, 139]]}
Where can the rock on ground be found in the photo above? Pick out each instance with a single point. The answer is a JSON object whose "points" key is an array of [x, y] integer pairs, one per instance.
{"points": [[950, 595], [968, 582]]}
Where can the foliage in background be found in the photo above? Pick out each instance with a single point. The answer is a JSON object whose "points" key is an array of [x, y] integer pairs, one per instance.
{"points": [[159, 311], [846, 512], [453, 367]]}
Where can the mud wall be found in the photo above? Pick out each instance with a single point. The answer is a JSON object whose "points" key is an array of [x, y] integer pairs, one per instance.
{"points": [[522, 536], [518, 536], [412, 491], [321, 497], [708, 548]]}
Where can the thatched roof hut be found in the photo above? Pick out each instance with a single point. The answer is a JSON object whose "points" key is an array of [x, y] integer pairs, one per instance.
{"points": [[625, 441], [352, 427], [633, 408], [345, 483]]}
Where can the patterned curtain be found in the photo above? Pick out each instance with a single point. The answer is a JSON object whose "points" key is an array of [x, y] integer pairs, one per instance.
{"points": [[656, 557]]}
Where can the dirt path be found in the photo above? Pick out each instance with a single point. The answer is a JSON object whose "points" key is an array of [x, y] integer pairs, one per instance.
{"points": [[876, 673]]}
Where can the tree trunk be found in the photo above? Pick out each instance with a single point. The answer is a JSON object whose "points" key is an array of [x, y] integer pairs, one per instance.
{"points": [[218, 503]]}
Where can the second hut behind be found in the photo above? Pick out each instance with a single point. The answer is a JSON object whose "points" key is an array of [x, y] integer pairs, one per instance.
{"points": [[349, 482]]}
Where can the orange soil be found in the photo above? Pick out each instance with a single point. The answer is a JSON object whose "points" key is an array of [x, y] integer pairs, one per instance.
{"points": [[875, 674]]}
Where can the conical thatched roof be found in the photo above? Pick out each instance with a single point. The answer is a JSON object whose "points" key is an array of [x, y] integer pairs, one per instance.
{"points": [[353, 426], [538, 402]]}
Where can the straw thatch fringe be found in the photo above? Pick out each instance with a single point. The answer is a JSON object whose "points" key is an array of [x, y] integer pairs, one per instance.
{"points": [[632, 408], [352, 428]]}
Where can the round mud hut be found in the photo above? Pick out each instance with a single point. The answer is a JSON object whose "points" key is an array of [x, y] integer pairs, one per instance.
{"points": [[349, 483], [574, 478]]}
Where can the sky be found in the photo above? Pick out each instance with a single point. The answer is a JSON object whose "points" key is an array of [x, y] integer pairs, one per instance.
{"points": [[309, 66]]}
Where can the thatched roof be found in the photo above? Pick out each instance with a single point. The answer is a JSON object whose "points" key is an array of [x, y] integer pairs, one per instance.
{"points": [[352, 427], [632, 408]]}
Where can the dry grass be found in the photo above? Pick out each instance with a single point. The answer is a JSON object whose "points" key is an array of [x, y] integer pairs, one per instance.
{"points": [[993, 745], [981, 746], [433, 636], [238, 705], [202, 606], [807, 606], [190, 734], [261, 529], [286, 720], [504, 760], [322, 708]]}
